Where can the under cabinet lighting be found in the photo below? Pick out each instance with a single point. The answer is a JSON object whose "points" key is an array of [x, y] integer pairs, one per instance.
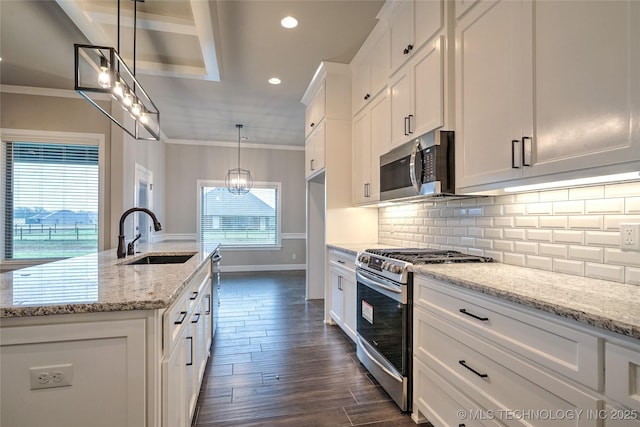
{"points": [[576, 182]]}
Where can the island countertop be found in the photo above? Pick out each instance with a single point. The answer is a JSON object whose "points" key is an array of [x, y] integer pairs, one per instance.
{"points": [[100, 282]]}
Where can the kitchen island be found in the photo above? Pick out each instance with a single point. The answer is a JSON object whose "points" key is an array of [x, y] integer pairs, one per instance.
{"points": [[94, 340]]}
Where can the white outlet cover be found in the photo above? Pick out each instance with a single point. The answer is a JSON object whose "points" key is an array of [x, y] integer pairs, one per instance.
{"points": [[630, 237], [50, 376]]}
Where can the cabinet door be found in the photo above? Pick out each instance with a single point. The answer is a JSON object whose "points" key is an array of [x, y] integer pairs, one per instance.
{"points": [[350, 304], [319, 146], [173, 389], [401, 30], [492, 62], [315, 111], [428, 91], [380, 140], [361, 156], [401, 117], [380, 60], [428, 20], [190, 371], [361, 85], [587, 68], [336, 296]]}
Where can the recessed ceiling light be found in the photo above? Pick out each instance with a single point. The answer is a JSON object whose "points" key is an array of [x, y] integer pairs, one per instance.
{"points": [[289, 22], [275, 81]]}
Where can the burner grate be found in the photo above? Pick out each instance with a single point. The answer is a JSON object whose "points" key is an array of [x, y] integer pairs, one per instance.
{"points": [[428, 256]]}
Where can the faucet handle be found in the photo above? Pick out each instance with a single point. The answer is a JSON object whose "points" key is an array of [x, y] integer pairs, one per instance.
{"points": [[131, 245]]}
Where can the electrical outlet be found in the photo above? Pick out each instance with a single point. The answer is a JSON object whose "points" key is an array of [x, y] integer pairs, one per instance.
{"points": [[630, 237], [51, 376]]}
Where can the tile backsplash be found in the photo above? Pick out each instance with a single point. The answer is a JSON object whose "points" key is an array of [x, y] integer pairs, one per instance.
{"points": [[574, 231]]}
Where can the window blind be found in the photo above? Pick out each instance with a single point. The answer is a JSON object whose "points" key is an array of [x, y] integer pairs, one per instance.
{"points": [[247, 220], [51, 200]]}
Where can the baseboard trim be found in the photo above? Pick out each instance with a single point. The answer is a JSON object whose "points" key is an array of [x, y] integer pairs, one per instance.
{"points": [[273, 267]]}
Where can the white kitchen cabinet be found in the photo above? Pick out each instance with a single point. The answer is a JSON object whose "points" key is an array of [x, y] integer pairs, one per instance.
{"points": [[371, 135], [315, 146], [343, 291], [412, 23], [315, 111], [417, 94], [370, 68], [622, 374], [174, 409], [546, 91]]}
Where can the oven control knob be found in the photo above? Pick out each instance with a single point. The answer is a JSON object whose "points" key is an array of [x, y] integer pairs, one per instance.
{"points": [[395, 269], [385, 265], [364, 259]]}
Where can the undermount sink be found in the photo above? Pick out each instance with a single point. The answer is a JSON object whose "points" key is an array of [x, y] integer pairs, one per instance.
{"points": [[162, 259]]}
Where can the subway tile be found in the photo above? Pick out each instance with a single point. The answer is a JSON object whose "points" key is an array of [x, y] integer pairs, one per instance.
{"points": [[497, 256], [526, 248], [440, 240], [474, 251], [531, 197], [503, 221], [452, 202], [440, 222], [632, 205], [604, 206], [612, 222], [459, 212], [568, 266], [452, 222], [427, 238], [552, 250], [423, 230], [515, 209], [467, 241], [475, 211], [475, 232], [447, 212], [569, 207], [616, 256], [484, 222], [435, 230], [446, 231], [493, 210], [472, 201], [553, 221], [514, 259], [586, 253], [539, 235], [632, 275], [513, 233], [623, 189], [435, 213], [614, 273], [484, 243], [503, 245], [539, 262], [583, 193], [459, 231], [554, 195], [485, 201], [504, 199], [468, 222], [586, 221], [493, 233], [526, 221], [602, 238], [452, 240], [540, 208]]}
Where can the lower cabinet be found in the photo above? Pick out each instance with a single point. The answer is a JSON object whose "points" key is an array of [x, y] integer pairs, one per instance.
{"points": [[482, 361], [343, 294]]}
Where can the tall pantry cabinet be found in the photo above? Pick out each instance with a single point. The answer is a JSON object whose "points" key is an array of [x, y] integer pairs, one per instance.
{"points": [[330, 215]]}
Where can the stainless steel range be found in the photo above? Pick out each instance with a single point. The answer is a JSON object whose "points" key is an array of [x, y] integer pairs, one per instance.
{"points": [[385, 288]]}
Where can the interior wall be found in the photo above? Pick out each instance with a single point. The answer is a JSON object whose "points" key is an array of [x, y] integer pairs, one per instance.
{"points": [[186, 164], [574, 231]]}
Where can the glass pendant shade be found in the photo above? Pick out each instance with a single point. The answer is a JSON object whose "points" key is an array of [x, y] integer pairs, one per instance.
{"points": [[238, 181]]}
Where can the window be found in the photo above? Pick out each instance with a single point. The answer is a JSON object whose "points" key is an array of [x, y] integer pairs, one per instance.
{"points": [[51, 197], [249, 220]]}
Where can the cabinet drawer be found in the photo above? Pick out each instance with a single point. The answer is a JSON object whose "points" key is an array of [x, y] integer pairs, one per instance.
{"points": [[441, 403], [572, 353], [343, 259], [622, 375], [494, 379]]}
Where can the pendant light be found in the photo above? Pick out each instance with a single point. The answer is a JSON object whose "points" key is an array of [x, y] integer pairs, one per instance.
{"points": [[238, 181], [101, 70]]}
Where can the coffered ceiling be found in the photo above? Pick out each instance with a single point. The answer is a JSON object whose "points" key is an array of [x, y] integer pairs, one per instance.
{"points": [[204, 63]]}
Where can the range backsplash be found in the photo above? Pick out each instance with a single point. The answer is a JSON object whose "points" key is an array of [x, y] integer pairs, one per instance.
{"points": [[574, 231]]}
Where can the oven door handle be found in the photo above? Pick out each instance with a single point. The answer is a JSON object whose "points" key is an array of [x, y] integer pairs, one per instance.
{"points": [[363, 347], [374, 282]]}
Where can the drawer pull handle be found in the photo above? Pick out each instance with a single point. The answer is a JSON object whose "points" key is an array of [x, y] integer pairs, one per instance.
{"points": [[183, 314], [197, 318], [464, 311], [190, 357], [340, 261], [208, 297], [464, 363], [193, 296]]}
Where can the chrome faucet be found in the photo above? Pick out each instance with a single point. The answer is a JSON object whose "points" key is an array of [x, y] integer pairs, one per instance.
{"points": [[156, 226]]}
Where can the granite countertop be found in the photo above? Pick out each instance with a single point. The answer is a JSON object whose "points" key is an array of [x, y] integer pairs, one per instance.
{"points": [[100, 282], [607, 305]]}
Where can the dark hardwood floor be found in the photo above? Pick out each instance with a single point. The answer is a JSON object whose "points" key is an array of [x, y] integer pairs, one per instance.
{"points": [[275, 363]]}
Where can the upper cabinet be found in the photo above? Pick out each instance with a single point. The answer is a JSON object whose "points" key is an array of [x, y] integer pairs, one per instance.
{"points": [[315, 111], [370, 69], [546, 91], [412, 24]]}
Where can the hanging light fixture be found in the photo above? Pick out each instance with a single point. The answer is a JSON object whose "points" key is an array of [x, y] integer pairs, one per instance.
{"points": [[101, 70], [238, 181]]}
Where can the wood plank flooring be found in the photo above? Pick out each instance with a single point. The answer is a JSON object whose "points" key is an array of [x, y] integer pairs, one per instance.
{"points": [[275, 363]]}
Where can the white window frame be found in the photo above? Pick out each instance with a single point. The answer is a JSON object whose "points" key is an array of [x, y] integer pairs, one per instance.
{"points": [[52, 137], [260, 184]]}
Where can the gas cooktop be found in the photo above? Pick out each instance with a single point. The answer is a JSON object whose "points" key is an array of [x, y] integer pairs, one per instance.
{"points": [[427, 256]]}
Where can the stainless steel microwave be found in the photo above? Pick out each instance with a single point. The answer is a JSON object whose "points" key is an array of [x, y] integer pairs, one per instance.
{"points": [[421, 167]]}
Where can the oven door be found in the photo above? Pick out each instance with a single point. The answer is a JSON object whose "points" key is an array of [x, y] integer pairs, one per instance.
{"points": [[383, 340]]}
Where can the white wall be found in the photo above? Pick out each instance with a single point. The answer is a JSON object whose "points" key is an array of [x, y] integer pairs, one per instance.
{"points": [[574, 231]]}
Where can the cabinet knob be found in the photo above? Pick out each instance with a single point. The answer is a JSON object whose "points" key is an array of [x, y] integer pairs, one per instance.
{"points": [[408, 49], [312, 124]]}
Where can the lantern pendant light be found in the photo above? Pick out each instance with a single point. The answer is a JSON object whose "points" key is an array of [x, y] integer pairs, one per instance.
{"points": [[238, 181]]}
